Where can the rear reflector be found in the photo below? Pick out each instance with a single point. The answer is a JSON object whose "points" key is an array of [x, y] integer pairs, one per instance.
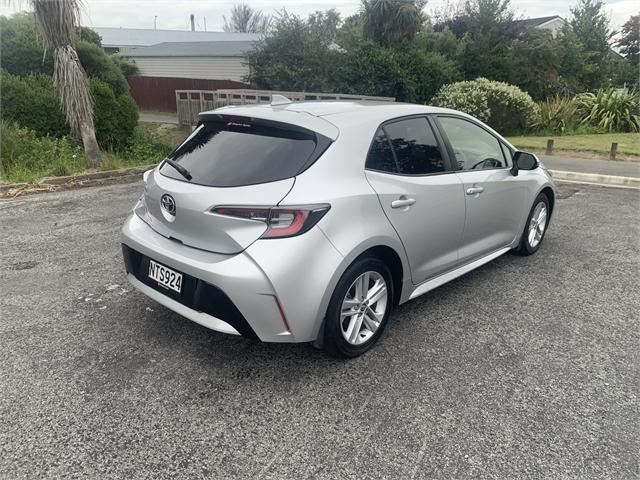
{"points": [[281, 221]]}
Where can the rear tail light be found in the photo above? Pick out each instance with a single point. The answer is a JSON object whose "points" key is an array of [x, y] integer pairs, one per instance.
{"points": [[281, 221]]}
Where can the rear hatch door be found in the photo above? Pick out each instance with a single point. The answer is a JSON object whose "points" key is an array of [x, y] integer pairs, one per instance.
{"points": [[232, 161]]}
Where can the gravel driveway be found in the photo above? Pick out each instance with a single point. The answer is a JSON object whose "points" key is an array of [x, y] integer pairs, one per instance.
{"points": [[525, 368]]}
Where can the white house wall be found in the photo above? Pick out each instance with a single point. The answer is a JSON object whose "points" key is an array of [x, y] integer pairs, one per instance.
{"points": [[554, 26], [213, 68]]}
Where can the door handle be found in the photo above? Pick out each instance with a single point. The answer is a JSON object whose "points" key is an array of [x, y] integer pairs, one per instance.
{"points": [[474, 190], [403, 201]]}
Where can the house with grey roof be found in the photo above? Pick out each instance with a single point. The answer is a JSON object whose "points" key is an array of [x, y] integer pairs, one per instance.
{"points": [[219, 60], [553, 23], [122, 40], [170, 60]]}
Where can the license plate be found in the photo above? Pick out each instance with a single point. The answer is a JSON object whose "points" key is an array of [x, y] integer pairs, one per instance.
{"points": [[165, 277]]}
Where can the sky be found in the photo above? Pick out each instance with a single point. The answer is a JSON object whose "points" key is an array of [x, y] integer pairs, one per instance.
{"points": [[174, 14]]}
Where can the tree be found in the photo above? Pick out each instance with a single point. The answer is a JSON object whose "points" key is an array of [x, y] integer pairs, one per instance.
{"points": [[486, 45], [87, 35], [406, 71], [390, 21], [536, 58], [55, 23], [246, 19], [591, 26], [629, 41], [587, 63], [275, 65], [21, 52]]}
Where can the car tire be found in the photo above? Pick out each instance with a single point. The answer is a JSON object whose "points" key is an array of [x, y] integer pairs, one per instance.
{"points": [[340, 335], [534, 228]]}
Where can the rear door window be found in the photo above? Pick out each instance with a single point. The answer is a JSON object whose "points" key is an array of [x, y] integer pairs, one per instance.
{"points": [[238, 152], [380, 155], [415, 146]]}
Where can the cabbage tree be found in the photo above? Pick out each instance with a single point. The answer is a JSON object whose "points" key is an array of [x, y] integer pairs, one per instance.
{"points": [[56, 21]]}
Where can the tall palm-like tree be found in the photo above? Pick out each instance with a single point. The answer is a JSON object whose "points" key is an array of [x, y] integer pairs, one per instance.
{"points": [[390, 21], [55, 23]]}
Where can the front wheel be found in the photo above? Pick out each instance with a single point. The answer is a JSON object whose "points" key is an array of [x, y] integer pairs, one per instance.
{"points": [[536, 226], [359, 308]]}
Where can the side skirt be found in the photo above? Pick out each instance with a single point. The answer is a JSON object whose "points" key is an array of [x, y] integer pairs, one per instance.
{"points": [[429, 285]]}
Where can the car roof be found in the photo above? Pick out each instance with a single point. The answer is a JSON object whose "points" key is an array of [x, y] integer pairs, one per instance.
{"points": [[325, 108], [329, 116]]}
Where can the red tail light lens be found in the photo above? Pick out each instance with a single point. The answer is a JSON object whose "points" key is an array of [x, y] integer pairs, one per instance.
{"points": [[281, 221]]}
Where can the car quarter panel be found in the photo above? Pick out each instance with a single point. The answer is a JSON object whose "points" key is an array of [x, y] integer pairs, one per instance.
{"points": [[356, 221]]}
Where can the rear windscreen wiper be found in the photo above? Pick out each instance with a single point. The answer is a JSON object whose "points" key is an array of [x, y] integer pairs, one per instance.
{"points": [[181, 170]]}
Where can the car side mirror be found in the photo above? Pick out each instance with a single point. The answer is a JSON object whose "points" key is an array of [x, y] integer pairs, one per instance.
{"points": [[523, 161]]}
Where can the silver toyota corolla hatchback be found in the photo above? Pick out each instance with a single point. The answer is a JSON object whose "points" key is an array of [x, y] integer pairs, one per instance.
{"points": [[309, 222]]}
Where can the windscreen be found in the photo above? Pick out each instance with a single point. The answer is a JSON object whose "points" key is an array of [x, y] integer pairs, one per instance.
{"points": [[233, 153]]}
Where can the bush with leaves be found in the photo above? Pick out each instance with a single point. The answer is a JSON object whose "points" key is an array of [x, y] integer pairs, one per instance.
{"points": [[556, 116], [115, 116], [612, 110], [504, 107], [21, 52], [32, 102], [406, 72], [98, 64], [299, 54]]}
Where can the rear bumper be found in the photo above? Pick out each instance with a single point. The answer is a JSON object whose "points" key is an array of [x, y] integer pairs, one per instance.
{"points": [[201, 302], [274, 291]]}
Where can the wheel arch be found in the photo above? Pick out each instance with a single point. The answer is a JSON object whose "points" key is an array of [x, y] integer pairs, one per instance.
{"points": [[376, 247], [393, 261], [548, 191]]}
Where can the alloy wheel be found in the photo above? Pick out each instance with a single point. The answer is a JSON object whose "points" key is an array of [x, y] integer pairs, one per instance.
{"points": [[363, 307], [537, 224]]}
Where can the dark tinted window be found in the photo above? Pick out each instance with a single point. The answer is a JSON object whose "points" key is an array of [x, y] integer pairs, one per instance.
{"points": [[235, 153], [415, 146], [380, 155]]}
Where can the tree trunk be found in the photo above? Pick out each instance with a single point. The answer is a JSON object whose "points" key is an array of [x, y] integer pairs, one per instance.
{"points": [[91, 149]]}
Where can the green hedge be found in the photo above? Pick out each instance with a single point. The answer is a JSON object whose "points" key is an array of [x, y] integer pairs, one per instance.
{"points": [[32, 102], [504, 107], [115, 117]]}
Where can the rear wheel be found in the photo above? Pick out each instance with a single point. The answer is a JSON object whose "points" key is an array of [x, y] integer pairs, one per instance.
{"points": [[359, 308], [536, 226]]}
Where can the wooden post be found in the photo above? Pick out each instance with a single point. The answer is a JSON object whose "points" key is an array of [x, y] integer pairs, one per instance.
{"points": [[549, 150], [614, 150]]}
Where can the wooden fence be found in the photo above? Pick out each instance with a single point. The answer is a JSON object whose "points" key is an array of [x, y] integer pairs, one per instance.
{"points": [[190, 103]]}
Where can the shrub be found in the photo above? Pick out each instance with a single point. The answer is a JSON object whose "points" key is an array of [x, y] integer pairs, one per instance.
{"points": [[98, 64], [32, 102], [406, 72], [115, 117], [27, 157], [611, 109], [557, 115], [504, 107], [21, 52], [127, 65]]}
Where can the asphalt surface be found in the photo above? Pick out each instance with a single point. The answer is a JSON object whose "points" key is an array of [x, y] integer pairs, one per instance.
{"points": [[524, 368], [592, 165]]}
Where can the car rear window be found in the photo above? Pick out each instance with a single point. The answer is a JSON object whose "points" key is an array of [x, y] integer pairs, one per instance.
{"points": [[238, 152]]}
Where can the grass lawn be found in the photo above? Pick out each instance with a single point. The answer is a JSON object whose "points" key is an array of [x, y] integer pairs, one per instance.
{"points": [[599, 143]]}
